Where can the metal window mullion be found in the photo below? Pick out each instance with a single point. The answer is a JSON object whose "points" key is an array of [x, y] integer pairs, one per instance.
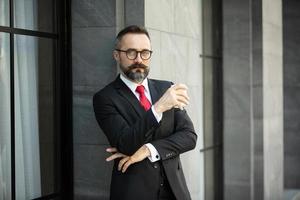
{"points": [[12, 114], [28, 32], [12, 104]]}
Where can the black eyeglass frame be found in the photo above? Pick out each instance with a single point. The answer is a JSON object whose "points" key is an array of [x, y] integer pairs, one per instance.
{"points": [[137, 52]]}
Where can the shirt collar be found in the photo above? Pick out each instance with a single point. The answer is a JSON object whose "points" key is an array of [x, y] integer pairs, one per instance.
{"points": [[132, 85]]}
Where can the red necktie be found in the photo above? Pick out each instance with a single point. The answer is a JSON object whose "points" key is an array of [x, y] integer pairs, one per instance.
{"points": [[143, 99]]}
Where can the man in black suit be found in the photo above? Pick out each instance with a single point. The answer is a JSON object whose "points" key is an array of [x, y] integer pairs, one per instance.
{"points": [[146, 125]]}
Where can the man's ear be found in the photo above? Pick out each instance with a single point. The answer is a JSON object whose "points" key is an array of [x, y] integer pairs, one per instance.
{"points": [[116, 55]]}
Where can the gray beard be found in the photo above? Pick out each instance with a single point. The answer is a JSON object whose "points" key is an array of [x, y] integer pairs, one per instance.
{"points": [[137, 76]]}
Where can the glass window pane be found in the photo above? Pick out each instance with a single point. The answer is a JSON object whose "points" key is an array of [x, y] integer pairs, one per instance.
{"points": [[4, 13], [208, 102], [5, 142], [209, 174], [34, 15], [213, 174], [36, 145]]}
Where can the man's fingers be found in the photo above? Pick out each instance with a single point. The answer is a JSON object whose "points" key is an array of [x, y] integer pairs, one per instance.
{"points": [[112, 150], [114, 156], [181, 92], [179, 86], [183, 95], [126, 165], [182, 100], [122, 161]]}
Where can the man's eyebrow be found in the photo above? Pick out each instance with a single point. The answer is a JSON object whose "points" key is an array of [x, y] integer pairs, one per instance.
{"points": [[138, 50]]}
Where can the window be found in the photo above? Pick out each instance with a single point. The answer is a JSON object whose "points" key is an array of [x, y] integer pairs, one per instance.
{"points": [[30, 101], [5, 140], [212, 81]]}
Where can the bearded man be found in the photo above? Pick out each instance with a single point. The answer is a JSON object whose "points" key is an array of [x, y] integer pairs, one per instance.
{"points": [[146, 125]]}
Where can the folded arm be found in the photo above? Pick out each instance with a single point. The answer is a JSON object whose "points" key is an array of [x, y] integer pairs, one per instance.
{"points": [[126, 138], [183, 138]]}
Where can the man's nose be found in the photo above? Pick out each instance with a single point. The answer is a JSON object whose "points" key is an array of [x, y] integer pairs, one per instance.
{"points": [[138, 58]]}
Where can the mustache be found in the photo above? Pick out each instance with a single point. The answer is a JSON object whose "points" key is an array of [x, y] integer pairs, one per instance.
{"points": [[135, 66]]}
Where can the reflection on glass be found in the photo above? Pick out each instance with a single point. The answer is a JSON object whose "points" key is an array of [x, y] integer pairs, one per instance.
{"points": [[34, 118], [4, 13], [209, 157], [5, 147], [34, 14]]}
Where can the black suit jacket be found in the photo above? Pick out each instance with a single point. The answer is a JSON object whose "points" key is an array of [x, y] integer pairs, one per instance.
{"points": [[128, 126]]}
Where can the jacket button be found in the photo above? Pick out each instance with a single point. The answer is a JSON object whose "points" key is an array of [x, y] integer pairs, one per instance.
{"points": [[155, 166]]}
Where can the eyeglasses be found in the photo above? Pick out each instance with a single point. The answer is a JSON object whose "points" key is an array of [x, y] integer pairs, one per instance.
{"points": [[132, 53]]}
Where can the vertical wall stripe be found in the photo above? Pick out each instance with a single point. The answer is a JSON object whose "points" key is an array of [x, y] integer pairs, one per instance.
{"points": [[273, 99]]}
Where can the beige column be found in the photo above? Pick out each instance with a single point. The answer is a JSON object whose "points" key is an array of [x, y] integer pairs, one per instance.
{"points": [[273, 99]]}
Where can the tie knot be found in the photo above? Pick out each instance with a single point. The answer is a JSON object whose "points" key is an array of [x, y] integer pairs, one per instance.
{"points": [[140, 89]]}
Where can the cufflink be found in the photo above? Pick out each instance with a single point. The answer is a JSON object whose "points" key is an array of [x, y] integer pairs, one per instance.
{"points": [[157, 156]]}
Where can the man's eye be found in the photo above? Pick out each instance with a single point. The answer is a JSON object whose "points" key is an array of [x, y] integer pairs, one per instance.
{"points": [[131, 52], [146, 52]]}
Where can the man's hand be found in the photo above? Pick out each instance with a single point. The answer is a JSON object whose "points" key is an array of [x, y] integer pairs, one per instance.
{"points": [[115, 154], [142, 153], [176, 96]]}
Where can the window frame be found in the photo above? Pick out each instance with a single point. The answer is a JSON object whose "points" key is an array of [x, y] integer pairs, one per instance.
{"points": [[62, 93], [212, 52]]}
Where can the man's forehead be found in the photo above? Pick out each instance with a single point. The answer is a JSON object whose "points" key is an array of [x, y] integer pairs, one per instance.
{"points": [[135, 40]]}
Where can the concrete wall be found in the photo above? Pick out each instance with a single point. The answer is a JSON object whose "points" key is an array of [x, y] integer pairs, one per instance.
{"points": [[272, 99], [253, 99], [176, 34], [242, 112], [261, 89], [291, 60], [93, 31]]}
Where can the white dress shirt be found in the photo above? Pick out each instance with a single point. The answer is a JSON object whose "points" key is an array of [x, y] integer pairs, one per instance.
{"points": [[132, 86]]}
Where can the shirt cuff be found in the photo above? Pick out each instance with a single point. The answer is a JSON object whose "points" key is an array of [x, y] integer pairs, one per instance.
{"points": [[154, 153], [157, 116]]}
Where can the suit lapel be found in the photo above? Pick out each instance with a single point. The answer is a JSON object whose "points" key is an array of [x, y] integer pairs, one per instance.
{"points": [[126, 93], [154, 91]]}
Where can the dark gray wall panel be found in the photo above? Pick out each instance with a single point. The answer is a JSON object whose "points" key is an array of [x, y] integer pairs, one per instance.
{"points": [[85, 127], [291, 59], [93, 34], [97, 13], [92, 172], [134, 12], [242, 79], [93, 63]]}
